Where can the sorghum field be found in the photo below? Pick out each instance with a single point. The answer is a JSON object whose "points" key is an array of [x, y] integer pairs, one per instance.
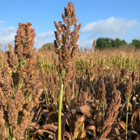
{"points": [[68, 93]]}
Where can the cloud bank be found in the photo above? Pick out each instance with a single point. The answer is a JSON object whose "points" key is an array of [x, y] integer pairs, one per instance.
{"points": [[7, 36], [43, 38], [111, 27]]}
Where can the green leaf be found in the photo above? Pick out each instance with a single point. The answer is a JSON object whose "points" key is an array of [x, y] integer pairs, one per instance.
{"points": [[14, 138], [30, 97]]}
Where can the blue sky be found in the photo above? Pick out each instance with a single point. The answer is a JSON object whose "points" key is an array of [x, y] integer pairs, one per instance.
{"points": [[100, 18]]}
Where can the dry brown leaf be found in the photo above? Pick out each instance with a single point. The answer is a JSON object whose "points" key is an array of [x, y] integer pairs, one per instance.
{"points": [[68, 135], [85, 109], [41, 129]]}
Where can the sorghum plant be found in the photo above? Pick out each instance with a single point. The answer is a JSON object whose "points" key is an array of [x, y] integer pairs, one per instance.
{"points": [[93, 45], [128, 97], [66, 48], [20, 86], [111, 113]]}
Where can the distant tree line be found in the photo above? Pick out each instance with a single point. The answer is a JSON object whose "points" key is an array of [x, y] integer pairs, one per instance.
{"points": [[104, 43]]}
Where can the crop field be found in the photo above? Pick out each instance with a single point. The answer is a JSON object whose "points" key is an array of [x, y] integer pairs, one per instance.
{"points": [[68, 93]]}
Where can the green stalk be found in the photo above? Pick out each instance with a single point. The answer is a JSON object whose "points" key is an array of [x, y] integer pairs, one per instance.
{"points": [[73, 91], [28, 133], [60, 108]]}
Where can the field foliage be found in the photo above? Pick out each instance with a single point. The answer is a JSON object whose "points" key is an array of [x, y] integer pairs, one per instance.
{"points": [[66, 92]]}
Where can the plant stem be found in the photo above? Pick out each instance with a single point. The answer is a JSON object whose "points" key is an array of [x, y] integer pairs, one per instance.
{"points": [[60, 108]]}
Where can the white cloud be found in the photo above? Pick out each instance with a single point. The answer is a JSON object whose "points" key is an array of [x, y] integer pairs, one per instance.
{"points": [[109, 26], [1, 22], [43, 38], [7, 36], [85, 43]]}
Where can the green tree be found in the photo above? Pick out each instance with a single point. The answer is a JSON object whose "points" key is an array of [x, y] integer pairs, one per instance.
{"points": [[117, 43], [104, 43], [48, 46], [136, 43]]}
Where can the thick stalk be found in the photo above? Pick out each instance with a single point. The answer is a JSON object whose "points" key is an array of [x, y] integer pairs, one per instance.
{"points": [[60, 108]]}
